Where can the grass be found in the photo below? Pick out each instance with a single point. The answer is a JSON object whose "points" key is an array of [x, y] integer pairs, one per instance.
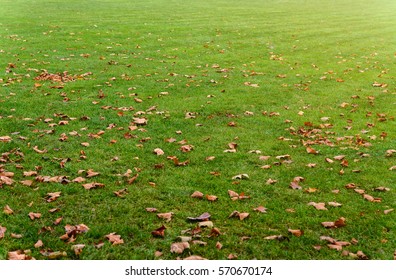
{"points": [[309, 60]]}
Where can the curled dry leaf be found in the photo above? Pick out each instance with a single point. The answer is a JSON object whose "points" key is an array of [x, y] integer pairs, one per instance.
{"points": [[276, 237], [194, 258], [165, 216], [296, 232], [5, 139], [38, 244], [208, 224], [179, 247], [211, 197], [33, 216], [2, 231], [319, 205], [203, 217], [197, 194], [382, 189], [159, 232], [158, 152], [114, 238], [386, 212], [241, 216], [371, 198], [53, 255], [390, 153], [19, 255], [334, 204], [240, 177], [7, 210], [261, 209], [336, 224], [219, 245], [53, 196], [121, 193], [271, 181], [311, 150], [16, 236], [78, 248], [93, 185]]}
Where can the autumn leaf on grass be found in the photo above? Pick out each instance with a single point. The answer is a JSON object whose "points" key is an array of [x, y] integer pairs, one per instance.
{"points": [[159, 232], [336, 224], [5, 139], [19, 255], [53, 255], [165, 216], [158, 152], [319, 205], [235, 196], [93, 185], [382, 189], [203, 217], [133, 179], [38, 244], [311, 150], [194, 258], [186, 148], [53, 196], [29, 173], [211, 197], [177, 162], [6, 180], [114, 238], [37, 150], [334, 204], [296, 232], [261, 209], [371, 198], [33, 216], [78, 248], [386, 212], [240, 177], [276, 237], [140, 121], [91, 173], [7, 210], [179, 247], [2, 231], [197, 194], [121, 193], [241, 216], [151, 209]]}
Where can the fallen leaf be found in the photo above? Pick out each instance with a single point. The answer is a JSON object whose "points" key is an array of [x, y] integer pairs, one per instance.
{"points": [[203, 217], [93, 185], [311, 150], [53, 196], [165, 216], [334, 204], [219, 245], [38, 244], [7, 210], [121, 193], [296, 232], [388, 211], [159, 232], [194, 258], [261, 209], [53, 255], [151, 209], [5, 139], [2, 231], [179, 247], [240, 177], [158, 152], [78, 248], [18, 255], [276, 237], [211, 197], [197, 194], [208, 224], [33, 216], [114, 238]]}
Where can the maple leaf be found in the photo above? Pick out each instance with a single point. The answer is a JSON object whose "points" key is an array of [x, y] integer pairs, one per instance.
{"points": [[159, 232], [114, 238], [165, 216]]}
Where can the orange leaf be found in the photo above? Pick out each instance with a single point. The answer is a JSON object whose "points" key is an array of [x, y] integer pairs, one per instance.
{"points": [[296, 232]]}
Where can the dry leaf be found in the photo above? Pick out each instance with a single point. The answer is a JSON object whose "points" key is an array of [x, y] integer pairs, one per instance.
{"points": [[33, 216], [151, 209], [197, 194], [211, 197], [208, 224], [2, 231], [5, 139], [240, 177], [78, 248], [296, 232], [159, 232], [334, 204], [311, 151], [165, 216], [38, 244], [261, 209], [158, 152], [219, 245], [388, 211], [114, 238], [194, 258], [179, 247], [18, 255], [93, 185], [203, 217], [7, 210], [53, 196]]}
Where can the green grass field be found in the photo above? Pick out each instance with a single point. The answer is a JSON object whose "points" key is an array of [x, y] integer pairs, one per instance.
{"points": [[146, 102]]}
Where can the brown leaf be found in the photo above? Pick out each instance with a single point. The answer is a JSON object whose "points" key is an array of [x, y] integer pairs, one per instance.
{"points": [[53, 196], [311, 150], [53, 255], [219, 245], [18, 255], [296, 232], [78, 248], [186, 148], [334, 204], [335, 247], [33, 216], [319, 205], [295, 186], [159, 232], [2, 231], [114, 238], [158, 152], [388, 211], [382, 189], [371, 198], [38, 244], [151, 209], [140, 121], [165, 216], [121, 193], [261, 209], [36, 149], [203, 217], [16, 236], [194, 258], [179, 247], [93, 185], [197, 194], [58, 221], [211, 197], [5, 139], [7, 210], [276, 237]]}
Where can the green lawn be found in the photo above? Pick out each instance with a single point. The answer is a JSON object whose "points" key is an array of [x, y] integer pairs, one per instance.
{"points": [[273, 89]]}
